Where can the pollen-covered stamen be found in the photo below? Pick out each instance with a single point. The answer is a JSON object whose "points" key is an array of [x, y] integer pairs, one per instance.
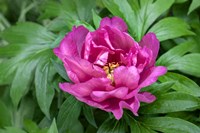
{"points": [[109, 69]]}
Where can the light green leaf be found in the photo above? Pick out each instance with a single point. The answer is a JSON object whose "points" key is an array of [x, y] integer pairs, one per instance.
{"points": [[34, 34], [53, 128], [21, 81], [182, 83], [12, 130], [171, 125], [30, 126], [175, 53], [44, 93], [61, 70], [194, 5], [112, 126], [96, 19], [68, 114], [171, 102], [171, 27], [89, 115], [188, 64]]}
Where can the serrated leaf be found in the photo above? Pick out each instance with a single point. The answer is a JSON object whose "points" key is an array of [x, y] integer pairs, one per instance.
{"points": [[182, 83], [34, 34], [171, 102], [44, 93], [171, 125], [175, 53], [171, 27], [188, 64], [53, 127], [194, 5], [112, 126], [89, 115], [68, 114]]}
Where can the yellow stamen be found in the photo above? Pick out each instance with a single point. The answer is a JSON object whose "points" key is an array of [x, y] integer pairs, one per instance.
{"points": [[109, 69]]}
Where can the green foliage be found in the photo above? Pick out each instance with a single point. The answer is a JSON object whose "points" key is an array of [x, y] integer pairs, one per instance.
{"points": [[30, 98]]}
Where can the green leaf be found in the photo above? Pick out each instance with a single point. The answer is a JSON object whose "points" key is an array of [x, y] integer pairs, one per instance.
{"points": [[89, 115], [61, 70], [171, 102], [171, 27], [5, 115], [68, 114], [194, 5], [30, 126], [171, 125], [34, 34], [175, 53], [112, 126], [22, 81], [53, 128], [44, 93], [96, 19], [12, 130], [182, 84], [188, 64]]}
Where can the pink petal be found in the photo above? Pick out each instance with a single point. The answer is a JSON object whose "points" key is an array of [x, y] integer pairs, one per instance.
{"points": [[82, 69], [150, 75], [72, 43], [100, 96], [151, 42], [126, 76], [146, 97], [86, 88], [114, 22]]}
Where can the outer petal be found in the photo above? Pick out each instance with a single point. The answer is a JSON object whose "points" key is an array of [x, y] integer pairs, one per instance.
{"points": [[126, 76], [150, 75], [114, 22], [72, 43], [146, 97], [86, 88], [82, 69], [151, 42], [100, 96]]}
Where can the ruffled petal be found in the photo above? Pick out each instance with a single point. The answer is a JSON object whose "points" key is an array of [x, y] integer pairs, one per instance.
{"points": [[126, 76], [100, 96], [150, 41], [86, 88], [82, 69], [72, 43], [114, 22], [150, 75], [146, 97]]}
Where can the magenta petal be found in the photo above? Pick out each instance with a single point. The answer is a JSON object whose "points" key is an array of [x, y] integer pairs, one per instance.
{"points": [[150, 75], [146, 97], [85, 88], [83, 69], [126, 76], [114, 22], [100, 96], [150, 41], [72, 43]]}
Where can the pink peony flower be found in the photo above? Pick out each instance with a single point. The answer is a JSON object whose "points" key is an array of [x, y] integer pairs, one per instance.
{"points": [[108, 67]]}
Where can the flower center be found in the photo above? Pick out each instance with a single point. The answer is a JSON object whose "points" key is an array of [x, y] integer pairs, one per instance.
{"points": [[109, 69]]}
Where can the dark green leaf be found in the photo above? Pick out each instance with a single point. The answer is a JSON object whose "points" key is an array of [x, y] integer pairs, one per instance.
{"points": [[68, 114], [171, 125], [182, 83], [172, 102], [88, 112], [171, 27], [5, 115], [12, 130], [44, 92], [30, 126], [112, 126]]}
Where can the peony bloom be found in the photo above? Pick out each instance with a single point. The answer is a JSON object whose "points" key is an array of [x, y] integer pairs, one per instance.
{"points": [[108, 67]]}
